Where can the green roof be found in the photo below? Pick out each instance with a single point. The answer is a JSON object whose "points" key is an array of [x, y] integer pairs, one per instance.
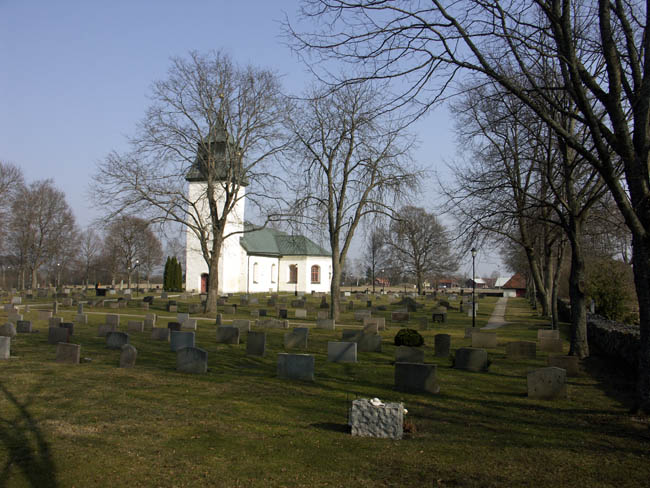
{"points": [[271, 242]]}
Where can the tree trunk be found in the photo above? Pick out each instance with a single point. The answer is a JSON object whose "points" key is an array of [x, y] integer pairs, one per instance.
{"points": [[641, 261], [577, 278], [335, 289], [213, 277], [418, 277], [34, 278]]}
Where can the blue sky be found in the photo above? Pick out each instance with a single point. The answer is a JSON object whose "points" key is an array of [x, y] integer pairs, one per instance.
{"points": [[75, 77]]}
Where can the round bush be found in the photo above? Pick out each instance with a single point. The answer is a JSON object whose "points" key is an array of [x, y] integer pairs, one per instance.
{"points": [[409, 337]]}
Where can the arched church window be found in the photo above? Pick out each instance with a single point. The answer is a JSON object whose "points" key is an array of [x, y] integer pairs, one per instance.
{"points": [[255, 272], [315, 274], [273, 271], [293, 273]]}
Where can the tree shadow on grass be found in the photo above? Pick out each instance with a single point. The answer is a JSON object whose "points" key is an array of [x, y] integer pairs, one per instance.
{"points": [[26, 446], [332, 427], [615, 378]]}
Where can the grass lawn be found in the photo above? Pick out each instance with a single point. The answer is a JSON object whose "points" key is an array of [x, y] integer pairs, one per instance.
{"points": [[95, 424]]}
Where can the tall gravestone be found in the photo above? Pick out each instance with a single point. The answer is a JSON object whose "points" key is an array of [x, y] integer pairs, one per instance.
{"points": [[191, 359], [256, 343]]}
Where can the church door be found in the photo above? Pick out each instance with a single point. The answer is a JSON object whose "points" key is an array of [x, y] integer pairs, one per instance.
{"points": [[204, 283]]}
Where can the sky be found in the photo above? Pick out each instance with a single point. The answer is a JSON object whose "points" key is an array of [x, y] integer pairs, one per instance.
{"points": [[75, 77]]}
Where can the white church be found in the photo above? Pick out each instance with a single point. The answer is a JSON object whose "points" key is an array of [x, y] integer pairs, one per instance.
{"points": [[258, 261]]}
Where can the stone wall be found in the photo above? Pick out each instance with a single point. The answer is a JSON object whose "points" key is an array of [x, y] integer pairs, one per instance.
{"points": [[619, 341]]}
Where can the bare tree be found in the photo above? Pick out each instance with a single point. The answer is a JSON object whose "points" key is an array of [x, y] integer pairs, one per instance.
{"points": [[42, 227], [419, 243], [213, 123], [351, 160], [600, 49], [89, 250], [375, 254]]}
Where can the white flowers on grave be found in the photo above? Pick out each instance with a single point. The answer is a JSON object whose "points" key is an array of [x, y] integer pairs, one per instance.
{"points": [[376, 402]]}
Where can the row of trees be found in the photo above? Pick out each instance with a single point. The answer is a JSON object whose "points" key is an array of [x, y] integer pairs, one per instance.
{"points": [[173, 275], [580, 69], [43, 245]]}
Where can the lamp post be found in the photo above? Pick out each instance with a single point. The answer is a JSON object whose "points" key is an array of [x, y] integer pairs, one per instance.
{"points": [[295, 267], [58, 274], [473, 287], [137, 277]]}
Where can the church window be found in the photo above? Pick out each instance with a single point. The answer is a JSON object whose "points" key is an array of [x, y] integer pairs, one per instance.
{"points": [[315, 274], [330, 273], [255, 272], [293, 273], [273, 268]]}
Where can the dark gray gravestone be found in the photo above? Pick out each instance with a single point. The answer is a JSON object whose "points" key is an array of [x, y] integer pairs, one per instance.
{"points": [[68, 353], [218, 319], [296, 366], [179, 340], [571, 364], [342, 352], [115, 340], [282, 313], [69, 326], [54, 321], [7, 330], [128, 356], [521, 350], [113, 319], [174, 326], [5, 347], [227, 334], [135, 326], [406, 354], [442, 345], [57, 334], [416, 377], [256, 343], [24, 326], [160, 333], [191, 359], [297, 338], [547, 383], [261, 312], [369, 342], [471, 359], [104, 329]]}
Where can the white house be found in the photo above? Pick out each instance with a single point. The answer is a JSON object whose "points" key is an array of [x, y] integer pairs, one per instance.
{"points": [[265, 260]]}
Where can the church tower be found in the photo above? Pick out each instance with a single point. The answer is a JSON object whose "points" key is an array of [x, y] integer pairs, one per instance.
{"points": [[218, 158]]}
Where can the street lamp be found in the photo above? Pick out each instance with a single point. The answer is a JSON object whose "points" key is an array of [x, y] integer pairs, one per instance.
{"points": [[58, 274], [473, 287], [137, 277], [295, 267]]}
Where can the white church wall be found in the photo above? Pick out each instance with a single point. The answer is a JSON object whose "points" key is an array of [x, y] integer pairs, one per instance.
{"points": [[262, 274], [304, 264]]}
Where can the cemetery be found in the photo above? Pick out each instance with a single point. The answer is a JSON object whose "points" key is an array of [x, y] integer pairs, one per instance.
{"points": [[287, 400]]}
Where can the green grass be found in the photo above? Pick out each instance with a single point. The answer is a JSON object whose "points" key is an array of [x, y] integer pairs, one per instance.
{"points": [[96, 425]]}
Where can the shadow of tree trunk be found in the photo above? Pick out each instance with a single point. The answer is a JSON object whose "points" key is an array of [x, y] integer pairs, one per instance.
{"points": [[26, 446]]}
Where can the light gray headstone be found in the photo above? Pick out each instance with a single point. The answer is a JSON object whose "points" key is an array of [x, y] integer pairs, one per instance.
{"points": [[362, 314], [44, 314], [571, 364], [385, 421], [547, 383], [151, 317], [5, 347], [104, 329], [179, 340], [188, 324], [115, 340], [242, 324], [57, 334], [182, 317], [191, 359], [68, 353], [301, 313], [484, 339], [417, 377], [521, 350], [7, 330], [135, 326], [160, 333], [471, 359], [327, 324], [297, 338], [342, 352], [322, 314], [128, 356], [112, 319], [256, 343], [16, 300], [442, 345], [368, 342], [547, 344], [371, 327], [227, 334], [296, 366], [407, 354], [272, 323]]}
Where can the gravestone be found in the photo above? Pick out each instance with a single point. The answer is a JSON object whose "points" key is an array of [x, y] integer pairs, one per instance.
{"points": [[112, 304], [7, 330], [14, 317], [182, 317], [194, 308], [112, 319], [54, 322], [323, 303], [327, 324], [369, 342], [423, 323], [57, 334], [164, 295], [174, 326], [219, 319], [399, 316], [81, 318], [5, 347], [261, 312], [407, 354], [361, 314], [179, 340], [128, 356], [115, 340], [469, 331], [301, 313], [255, 313], [442, 345], [55, 307], [44, 315], [371, 327], [322, 314], [297, 338], [297, 304], [69, 326], [16, 300], [172, 308], [547, 344], [227, 334], [548, 334], [230, 310], [135, 326], [8, 307], [439, 315], [380, 321], [471, 359], [272, 323], [571, 364], [483, 339], [160, 333], [189, 324], [342, 352], [104, 329], [151, 317], [68, 353], [24, 326], [547, 383], [384, 421], [256, 343], [296, 366], [521, 350], [282, 313], [253, 301], [417, 377], [191, 359], [242, 324], [351, 335]]}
